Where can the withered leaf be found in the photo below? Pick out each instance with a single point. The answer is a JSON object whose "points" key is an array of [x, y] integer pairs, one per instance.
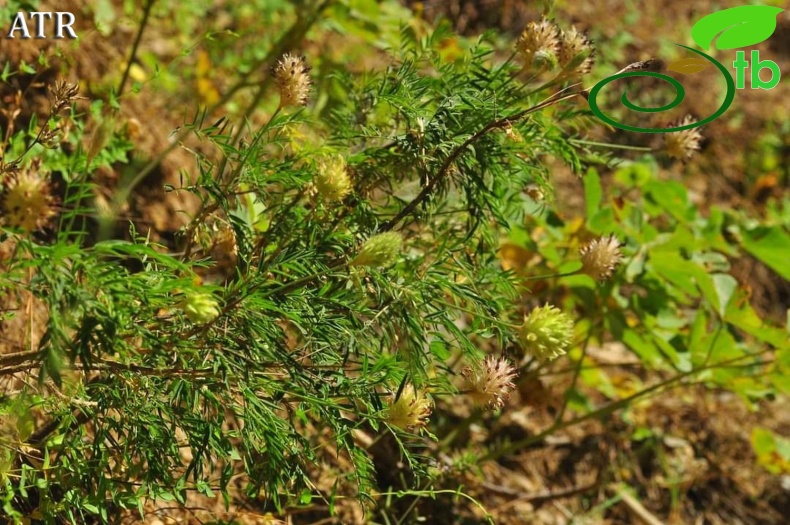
{"points": [[688, 66]]}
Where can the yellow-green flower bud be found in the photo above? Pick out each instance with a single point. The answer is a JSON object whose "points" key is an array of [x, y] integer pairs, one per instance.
{"points": [[411, 410], [379, 251], [332, 180], [546, 332], [27, 202], [200, 307]]}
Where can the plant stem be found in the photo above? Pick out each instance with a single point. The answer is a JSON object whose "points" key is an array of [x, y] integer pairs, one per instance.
{"points": [[552, 276], [444, 170], [295, 34], [146, 14], [605, 410], [607, 145]]}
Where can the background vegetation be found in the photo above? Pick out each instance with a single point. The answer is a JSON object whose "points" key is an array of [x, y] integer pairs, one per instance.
{"points": [[202, 322]]}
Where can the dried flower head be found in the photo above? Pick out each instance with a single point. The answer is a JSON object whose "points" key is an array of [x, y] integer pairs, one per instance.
{"points": [[50, 137], [539, 44], [332, 180], [682, 145], [490, 385], [292, 80], [200, 307], [573, 44], [600, 257], [410, 410], [61, 96], [546, 332], [379, 251], [216, 239], [27, 203]]}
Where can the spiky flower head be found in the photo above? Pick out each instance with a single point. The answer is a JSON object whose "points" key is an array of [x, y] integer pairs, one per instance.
{"points": [[217, 240], [600, 257], [292, 80], [410, 410], [332, 180], [27, 201], [62, 95], [682, 145], [573, 44], [200, 307], [546, 332], [490, 384], [539, 44], [379, 251]]}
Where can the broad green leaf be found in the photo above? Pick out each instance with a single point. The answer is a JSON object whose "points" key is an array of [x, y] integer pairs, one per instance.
{"points": [[671, 196], [698, 342], [771, 246], [679, 360], [725, 288], [593, 193], [740, 26], [771, 450], [597, 379], [603, 221], [104, 16], [675, 269], [646, 350], [781, 382], [740, 314], [634, 175]]}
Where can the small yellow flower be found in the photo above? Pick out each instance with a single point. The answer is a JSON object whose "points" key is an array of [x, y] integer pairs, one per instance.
{"points": [[379, 251], [332, 180], [292, 80], [600, 257], [27, 201], [410, 410], [489, 385], [682, 145], [546, 332]]}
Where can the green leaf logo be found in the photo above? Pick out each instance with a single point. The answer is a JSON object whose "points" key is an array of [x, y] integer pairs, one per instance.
{"points": [[741, 26]]}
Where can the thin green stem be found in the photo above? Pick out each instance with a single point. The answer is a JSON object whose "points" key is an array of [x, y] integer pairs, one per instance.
{"points": [[608, 409], [446, 166], [261, 132], [480, 315], [608, 145], [575, 379], [290, 39], [552, 276]]}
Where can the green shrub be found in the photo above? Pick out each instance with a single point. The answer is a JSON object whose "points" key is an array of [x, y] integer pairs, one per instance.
{"points": [[342, 278]]}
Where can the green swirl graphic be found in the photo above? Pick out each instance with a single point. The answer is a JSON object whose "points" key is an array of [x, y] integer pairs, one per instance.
{"points": [[680, 94]]}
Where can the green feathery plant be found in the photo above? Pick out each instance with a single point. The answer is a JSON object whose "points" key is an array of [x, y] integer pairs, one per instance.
{"points": [[340, 280]]}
